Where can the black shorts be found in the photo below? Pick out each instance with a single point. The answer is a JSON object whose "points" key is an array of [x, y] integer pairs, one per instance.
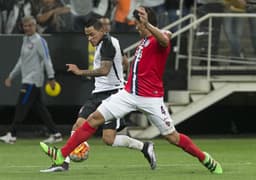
{"points": [[91, 105]]}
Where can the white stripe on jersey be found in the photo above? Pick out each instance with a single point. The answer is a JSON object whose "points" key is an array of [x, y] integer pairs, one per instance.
{"points": [[138, 55]]}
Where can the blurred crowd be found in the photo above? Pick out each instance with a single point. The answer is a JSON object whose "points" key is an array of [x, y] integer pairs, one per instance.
{"points": [[71, 15]]}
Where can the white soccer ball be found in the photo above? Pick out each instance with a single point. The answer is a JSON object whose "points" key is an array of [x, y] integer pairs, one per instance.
{"points": [[80, 153]]}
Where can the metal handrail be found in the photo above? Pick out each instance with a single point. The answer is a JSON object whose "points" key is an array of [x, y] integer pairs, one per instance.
{"points": [[209, 58], [200, 20], [194, 23], [180, 21]]}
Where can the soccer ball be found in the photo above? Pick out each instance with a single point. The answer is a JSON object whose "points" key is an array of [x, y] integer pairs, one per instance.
{"points": [[80, 153]]}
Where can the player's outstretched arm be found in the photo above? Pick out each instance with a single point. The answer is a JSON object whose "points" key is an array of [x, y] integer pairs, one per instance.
{"points": [[103, 70], [74, 69], [162, 38]]}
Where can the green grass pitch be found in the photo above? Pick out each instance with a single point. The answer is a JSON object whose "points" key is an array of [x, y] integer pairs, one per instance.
{"points": [[23, 160]]}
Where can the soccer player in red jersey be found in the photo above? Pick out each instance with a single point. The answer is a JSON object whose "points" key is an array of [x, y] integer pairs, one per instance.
{"points": [[144, 92]]}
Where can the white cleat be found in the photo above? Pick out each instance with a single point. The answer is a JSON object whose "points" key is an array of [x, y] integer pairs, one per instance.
{"points": [[53, 138]]}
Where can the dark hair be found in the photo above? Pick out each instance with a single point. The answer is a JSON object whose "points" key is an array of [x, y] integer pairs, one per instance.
{"points": [[151, 16], [94, 22]]}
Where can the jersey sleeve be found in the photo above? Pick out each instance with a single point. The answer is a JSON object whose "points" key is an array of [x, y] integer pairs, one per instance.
{"points": [[16, 70], [107, 50], [43, 51]]}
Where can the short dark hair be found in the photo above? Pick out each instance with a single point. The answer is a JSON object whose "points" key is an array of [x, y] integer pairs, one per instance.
{"points": [[151, 16], [94, 22]]}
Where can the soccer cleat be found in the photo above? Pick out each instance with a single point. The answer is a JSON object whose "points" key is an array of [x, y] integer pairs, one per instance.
{"points": [[54, 153], [149, 154], [212, 165], [56, 168], [53, 138], [8, 138]]}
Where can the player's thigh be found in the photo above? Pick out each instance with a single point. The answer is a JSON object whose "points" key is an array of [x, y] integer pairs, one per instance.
{"points": [[116, 106], [157, 113], [89, 107]]}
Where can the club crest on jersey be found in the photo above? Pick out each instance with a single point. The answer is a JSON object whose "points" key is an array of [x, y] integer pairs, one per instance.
{"points": [[30, 45], [147, 42]]}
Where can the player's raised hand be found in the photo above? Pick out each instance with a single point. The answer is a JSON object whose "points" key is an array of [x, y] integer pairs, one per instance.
{"points": [[143, 15], [74, 69]]}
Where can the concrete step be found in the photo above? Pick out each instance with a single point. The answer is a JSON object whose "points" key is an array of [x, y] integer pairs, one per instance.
{"points": [[134, 131], [178, 97], [176, 108], [139, 119], [196, 97], [148, 133], [217, 85], [199, 83]]}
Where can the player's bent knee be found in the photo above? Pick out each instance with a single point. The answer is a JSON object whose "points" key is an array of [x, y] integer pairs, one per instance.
{"points": [[173, 138], [95, 119], [108, 140], [79, 122]]}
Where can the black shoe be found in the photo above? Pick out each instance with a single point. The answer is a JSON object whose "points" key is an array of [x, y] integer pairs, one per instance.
{"points": [[56, 168], [149, 154]]}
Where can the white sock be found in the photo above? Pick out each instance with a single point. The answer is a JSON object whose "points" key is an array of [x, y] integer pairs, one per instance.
{"points": [[126, 141], [67, 160]]}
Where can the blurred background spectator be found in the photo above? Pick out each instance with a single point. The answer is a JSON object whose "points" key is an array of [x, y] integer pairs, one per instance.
{"points": [[205, 7], [173, 10], [71, 15], [35, 7], [233, 26], [123, 18], [251, 8], [160, 9], [2, 11], [54, 16], [80, 9], [83, 10], [15, 10], [101, 7]]}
